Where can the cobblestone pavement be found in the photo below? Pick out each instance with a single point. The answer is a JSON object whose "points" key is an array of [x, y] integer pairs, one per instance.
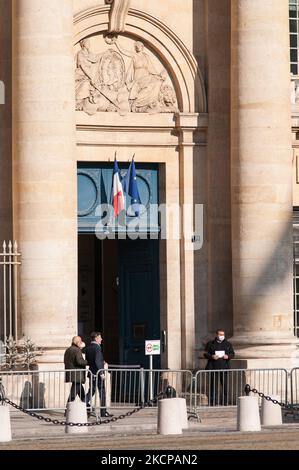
{"points": [[217, 430], [266, 440]]}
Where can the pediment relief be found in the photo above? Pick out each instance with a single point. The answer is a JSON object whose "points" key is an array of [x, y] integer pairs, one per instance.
{"points": [[119, 74]]}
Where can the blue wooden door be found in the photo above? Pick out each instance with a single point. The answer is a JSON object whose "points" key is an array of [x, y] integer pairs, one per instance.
{"points": [[139, 302]]}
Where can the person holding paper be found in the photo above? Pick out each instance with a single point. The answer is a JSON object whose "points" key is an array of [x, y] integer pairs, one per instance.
{"points": [[218, 352]]}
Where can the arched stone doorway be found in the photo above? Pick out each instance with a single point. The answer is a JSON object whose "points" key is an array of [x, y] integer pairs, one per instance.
{"points": [[142, 94]]}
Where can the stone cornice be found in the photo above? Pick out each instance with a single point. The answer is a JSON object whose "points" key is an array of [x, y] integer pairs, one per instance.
{"points": [[160, 130]]}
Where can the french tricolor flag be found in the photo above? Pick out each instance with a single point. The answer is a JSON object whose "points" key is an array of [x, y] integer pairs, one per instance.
{"points": [[118, 199]]}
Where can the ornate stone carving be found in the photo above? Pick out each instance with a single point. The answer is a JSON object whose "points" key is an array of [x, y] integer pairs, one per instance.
{"points": [[117, 15], [295, 92], [121, 80], [167, 99]]}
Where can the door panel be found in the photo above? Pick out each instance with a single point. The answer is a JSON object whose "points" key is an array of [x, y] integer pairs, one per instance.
{"points": [[139, 299]]}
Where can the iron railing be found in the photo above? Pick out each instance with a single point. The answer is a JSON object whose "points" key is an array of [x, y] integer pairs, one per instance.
{"points": [[10, 260]]}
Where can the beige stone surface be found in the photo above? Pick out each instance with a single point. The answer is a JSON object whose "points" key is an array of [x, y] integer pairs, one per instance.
{"points": [[196, 287], [180, 20], [45, 170], [261, 202]]}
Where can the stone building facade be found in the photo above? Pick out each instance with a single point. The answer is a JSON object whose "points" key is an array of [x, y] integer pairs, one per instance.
{"points": [[199, 91]]}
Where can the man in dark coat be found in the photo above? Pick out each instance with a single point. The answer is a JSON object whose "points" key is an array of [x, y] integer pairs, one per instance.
{"points": [[219, 352], [95, 359], [73, 361]]}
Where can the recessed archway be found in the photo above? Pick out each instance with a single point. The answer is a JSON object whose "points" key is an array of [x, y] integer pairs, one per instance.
{"points": [[175, 56]]}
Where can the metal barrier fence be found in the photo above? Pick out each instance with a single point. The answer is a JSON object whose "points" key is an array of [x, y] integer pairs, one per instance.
{"points": [[123, 388], [127, 388], [134, 387], [295, 386], [38, 389], [223, 387]]}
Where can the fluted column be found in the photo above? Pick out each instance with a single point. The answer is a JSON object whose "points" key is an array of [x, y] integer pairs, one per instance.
{"points": [[5, 124], [45, 168], [261, 179]]}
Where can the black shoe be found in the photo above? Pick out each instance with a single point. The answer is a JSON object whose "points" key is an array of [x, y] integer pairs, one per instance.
{"points": [[105, 414]]}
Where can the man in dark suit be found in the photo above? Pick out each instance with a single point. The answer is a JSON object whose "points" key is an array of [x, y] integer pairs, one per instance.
{"points": [[73, 361], [219, 352], [95, 360]]}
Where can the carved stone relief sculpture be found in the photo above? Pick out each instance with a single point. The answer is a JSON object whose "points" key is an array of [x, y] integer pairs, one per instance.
{"points": [[121, 80]]}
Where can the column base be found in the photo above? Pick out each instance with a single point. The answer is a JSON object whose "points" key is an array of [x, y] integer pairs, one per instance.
{"points": [[265, 352], [256, 352], [51, 359]]}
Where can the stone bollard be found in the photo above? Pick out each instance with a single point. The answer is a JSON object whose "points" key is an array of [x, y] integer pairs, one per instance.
{"points": [[183, 412], [5, 428], [271, 414], [169, 416], [76, 412], [248, 418]]}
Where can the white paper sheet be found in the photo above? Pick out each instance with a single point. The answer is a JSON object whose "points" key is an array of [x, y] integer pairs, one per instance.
{"points": [[220, 353]]}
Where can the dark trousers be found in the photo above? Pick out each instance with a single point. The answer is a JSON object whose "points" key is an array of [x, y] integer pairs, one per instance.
{"points": [[102, 391], [218, 388], [77, 389]]}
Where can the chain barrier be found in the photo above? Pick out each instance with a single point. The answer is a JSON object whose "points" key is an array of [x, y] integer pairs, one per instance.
{"points": [[65, 423], [292, 408]]}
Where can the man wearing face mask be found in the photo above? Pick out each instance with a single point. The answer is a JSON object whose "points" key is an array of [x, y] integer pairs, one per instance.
{"points": [[218, 352]]}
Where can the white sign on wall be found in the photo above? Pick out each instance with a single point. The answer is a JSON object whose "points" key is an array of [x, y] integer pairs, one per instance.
{"points": [[152, 347]]}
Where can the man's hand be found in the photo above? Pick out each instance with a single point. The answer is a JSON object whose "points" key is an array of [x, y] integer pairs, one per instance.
{"points": [[225, 356], [215, 357]]}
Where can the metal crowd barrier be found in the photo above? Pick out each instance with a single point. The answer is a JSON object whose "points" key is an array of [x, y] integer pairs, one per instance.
{"points": [[294, 375], [223, 387], [39, 390], [125, 388], [128, 388]]}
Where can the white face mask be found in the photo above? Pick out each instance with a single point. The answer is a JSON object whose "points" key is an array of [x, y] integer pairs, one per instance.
{"points": [[220, 337]]}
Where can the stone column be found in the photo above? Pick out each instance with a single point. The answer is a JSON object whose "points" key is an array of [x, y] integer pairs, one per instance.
{"points": [[261, 182], [219, 198], [170, 274], [192, 138], [5, 124], [187, 124], [5, 138], [45, 222]]}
